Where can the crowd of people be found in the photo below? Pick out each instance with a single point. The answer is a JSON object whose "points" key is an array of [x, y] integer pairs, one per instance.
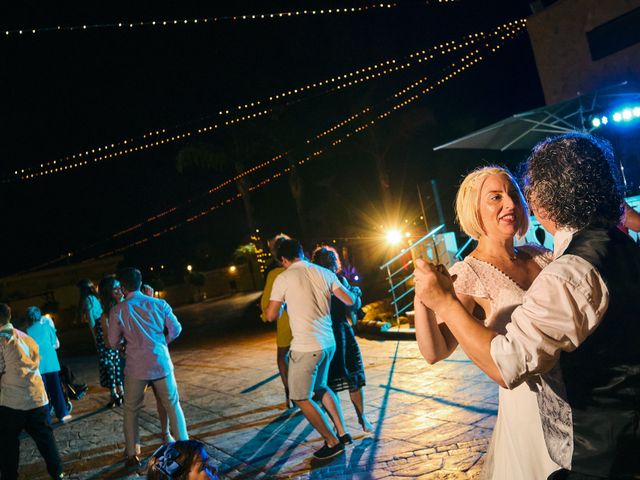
{"points": [[132, 330], [556, 330]]}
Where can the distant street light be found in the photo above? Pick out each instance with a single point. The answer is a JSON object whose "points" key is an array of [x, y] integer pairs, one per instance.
{"points": [[232, 269], [189, 268], [393, 237]]}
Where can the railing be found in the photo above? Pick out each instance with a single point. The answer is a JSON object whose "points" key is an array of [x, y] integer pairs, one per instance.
{"points": [[426, 248]]}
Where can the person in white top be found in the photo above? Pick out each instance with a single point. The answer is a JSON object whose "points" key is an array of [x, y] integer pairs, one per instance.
{"points": [[23, 401], [490, 283], [577, 326], [306, 290]]}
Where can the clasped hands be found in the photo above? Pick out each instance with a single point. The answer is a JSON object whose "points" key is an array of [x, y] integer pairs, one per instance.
{"points": [[434, 285]]}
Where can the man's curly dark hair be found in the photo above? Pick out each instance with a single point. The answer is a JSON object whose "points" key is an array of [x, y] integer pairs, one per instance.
{"points": [[575, 179]]}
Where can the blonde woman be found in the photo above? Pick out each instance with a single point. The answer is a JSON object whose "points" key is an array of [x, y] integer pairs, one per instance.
{"points": [[490, 283]]}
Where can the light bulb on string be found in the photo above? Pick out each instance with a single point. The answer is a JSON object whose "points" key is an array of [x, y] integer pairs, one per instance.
{"points": [[233, 121], [277, 175], [200, 20]]}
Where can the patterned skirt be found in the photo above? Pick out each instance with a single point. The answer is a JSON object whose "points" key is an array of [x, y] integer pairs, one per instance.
{"points": [[110, 363], [346, 371]]}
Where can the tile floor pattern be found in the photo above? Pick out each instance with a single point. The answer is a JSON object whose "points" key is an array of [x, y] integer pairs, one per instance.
{"points": [[432, 422]]}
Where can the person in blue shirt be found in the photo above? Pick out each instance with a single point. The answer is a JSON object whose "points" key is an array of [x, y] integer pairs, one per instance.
{"points": [[43, 332]]}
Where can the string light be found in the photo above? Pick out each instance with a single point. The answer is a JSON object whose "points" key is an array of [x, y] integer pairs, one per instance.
{"points": [[360, 75], [204, 20], [453, 70], [126, 147], [465, 62], [342, 123], [336, 82]]}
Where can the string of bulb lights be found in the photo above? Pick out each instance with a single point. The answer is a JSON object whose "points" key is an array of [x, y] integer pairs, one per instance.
{"points": [[128, 146], [454, 69], [362, 74], [280, 156], [205, 21]]}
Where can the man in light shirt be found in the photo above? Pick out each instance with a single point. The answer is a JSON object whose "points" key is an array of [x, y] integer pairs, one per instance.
{"points": [[306, 289], [141, 322], [576, 333], [23, 401]]}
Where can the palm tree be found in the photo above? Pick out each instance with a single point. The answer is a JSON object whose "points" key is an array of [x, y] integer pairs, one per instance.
{"points": [[247, 253]]}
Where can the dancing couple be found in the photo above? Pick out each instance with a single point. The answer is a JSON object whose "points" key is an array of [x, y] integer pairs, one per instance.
{"points": [[557, 333]]}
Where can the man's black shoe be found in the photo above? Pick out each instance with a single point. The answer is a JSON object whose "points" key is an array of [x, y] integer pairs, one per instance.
{"points": [[346, 439], [327, 452]]}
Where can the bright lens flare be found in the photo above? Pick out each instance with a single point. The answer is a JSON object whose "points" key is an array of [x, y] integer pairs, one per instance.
{"points": [[393, 237]]}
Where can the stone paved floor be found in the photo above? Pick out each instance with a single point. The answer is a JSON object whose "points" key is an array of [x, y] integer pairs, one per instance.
{"points": [[432, 422]]}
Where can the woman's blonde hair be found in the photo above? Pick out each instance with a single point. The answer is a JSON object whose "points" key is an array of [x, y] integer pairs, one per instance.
{"points": [[468, 201]]}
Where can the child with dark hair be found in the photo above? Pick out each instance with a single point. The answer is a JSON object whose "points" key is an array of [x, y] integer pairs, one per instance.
{"points": [[182, 460]]}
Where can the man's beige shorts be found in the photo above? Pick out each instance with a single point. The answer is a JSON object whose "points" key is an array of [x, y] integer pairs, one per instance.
{"points": [[308, 372]]}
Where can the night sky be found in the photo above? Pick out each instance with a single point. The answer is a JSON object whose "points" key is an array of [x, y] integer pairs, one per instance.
{"points": [[66, 92]]}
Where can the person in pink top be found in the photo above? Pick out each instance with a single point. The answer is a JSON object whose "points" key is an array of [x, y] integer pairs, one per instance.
{"points": [[141, 322]]}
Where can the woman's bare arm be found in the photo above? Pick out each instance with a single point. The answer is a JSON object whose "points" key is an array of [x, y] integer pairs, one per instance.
{"points": [[435, 340]]}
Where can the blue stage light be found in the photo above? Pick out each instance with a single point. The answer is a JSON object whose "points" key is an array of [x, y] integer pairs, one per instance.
{"points": [[617, 117], [636, 111], [595, 122], [604, 120], [627, 114]]}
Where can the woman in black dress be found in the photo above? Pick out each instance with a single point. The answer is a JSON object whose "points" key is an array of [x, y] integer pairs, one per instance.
{"points": [[346, 370], [111, 362]]}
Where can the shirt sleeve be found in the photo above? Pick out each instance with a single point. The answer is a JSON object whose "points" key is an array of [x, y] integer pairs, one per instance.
{"points": [[561, 309], [3, 343], [171, 322], [540, 255], [114, 328], [278, 290], [94, 309], [52, 335], [266, 293], [467, 281], [335, 282]]}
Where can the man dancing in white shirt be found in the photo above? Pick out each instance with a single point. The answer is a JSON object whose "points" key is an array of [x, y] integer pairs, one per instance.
{"points": [[306, 289], [578, 324]]}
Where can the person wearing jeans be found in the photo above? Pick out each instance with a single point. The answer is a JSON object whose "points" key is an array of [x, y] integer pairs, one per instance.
{"points": [[141, 322], [23, 401], [41, 329]]}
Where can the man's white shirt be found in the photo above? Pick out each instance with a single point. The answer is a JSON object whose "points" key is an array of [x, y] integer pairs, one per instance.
{"points": [[563, 306], [306, 290]]}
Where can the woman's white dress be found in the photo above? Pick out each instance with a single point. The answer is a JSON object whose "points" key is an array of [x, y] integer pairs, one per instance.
{"points": [[517, 450]]}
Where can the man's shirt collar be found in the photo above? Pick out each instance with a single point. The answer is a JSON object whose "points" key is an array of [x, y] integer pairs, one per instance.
{"points": [[561, 240]]}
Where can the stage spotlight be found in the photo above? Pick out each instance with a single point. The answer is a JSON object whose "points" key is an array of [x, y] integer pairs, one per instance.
{"points": [[617, 117], [394, 237], [604, 120], [636, 111], [595, 122], [627, 114]]}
